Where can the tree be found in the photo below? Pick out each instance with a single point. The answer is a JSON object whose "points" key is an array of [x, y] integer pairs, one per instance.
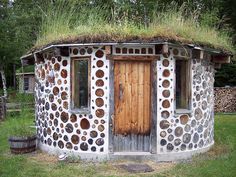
{"points": [[19, 25]]}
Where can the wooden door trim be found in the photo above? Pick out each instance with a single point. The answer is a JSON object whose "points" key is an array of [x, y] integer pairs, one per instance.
{"points": [[153, 133], [111, 106], [133, 57]]}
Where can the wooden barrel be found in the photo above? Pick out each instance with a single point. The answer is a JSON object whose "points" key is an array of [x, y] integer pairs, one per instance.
{"points": [[21, 145]]}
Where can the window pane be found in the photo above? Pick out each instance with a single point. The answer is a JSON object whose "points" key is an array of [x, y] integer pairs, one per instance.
{"points": [[26, 83], [182, 84], [80, 84]]}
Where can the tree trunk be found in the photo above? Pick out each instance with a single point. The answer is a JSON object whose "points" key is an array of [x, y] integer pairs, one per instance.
{"points": [[4, 85], [14, 76]]}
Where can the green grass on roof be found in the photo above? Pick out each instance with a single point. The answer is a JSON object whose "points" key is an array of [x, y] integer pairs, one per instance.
{"points": [[63, 24]]}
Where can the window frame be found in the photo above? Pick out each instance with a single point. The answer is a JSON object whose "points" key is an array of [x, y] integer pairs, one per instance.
{"points": [[74, 109], [187, 110]]}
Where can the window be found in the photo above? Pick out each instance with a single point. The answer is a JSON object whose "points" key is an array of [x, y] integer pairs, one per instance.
{"points": [[26, 84], [80, 83], [183, 84]]}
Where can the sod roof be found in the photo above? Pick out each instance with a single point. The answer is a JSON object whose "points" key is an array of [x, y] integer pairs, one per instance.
{"points": [[63, 25], [96, 39]]}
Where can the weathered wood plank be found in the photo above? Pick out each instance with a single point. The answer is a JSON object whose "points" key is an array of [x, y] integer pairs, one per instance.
{"points": [[146, 93], [140, 99], [153, 133], [132, 113], [108, 50], [111, 107], [116, 96], [134, 94], [129, 106], [221, 59], [165, 49], [133, 57]]}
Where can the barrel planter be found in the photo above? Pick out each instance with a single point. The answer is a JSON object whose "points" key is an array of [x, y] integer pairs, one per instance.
{"points": [[21, 145]]}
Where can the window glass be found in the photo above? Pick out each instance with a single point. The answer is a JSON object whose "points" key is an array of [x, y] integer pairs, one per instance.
{"points": [[26, 83], [182, 84], [80, 90]]}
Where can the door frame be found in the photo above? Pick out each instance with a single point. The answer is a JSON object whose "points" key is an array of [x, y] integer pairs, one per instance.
{"points": [[153, 131]]}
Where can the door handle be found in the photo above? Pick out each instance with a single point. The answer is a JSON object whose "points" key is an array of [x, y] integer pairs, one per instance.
{"points": [[121, 91]]}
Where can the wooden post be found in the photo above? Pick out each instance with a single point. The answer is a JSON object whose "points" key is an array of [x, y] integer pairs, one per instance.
{"points": [[108, 50], [4, 84], [198, 54], [2, 108], [14, 76], [111, 102], [153, 133], [162, 49]]}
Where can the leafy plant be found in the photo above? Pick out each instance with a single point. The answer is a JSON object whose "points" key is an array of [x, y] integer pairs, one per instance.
{"points": [[20, 126]]}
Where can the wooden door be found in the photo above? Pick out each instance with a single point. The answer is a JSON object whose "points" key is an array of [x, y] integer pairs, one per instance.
{"points": [[132, 112]]}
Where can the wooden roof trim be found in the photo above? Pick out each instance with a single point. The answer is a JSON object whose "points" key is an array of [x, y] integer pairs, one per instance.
{"points": [[221, 59], [29, 73]]}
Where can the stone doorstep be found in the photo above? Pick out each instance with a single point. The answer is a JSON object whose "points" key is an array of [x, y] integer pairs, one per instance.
{"points": [[136, 167]]}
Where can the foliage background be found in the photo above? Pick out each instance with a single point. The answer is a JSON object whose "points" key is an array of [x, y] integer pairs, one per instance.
{"points": [[20, 23]]}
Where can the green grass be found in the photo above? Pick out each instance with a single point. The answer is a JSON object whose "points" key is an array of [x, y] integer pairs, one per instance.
{"points": [[26, 69], [15, 97], [21, 125], [65, 24], [220, 161], [24, 98]]}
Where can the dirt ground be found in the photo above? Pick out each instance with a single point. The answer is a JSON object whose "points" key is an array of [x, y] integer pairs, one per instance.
{"points": [[106, 168]]}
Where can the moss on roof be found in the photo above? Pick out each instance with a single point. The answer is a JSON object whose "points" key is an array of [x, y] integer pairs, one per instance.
{"points": [[63, 25]]}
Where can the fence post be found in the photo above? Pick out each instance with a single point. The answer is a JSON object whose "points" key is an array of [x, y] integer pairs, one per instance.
{"points": [[2, 108]]}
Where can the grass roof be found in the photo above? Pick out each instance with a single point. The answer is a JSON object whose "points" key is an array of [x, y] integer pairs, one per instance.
{"points": [[64, 24]]}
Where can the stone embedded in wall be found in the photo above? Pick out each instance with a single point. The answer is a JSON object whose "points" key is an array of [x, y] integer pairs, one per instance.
{"points": [[180, 135], [166, 104], [164, 124], [198, 113], [165, 62], [186, 138], [184, 119], [176, 132], [166, 93], [100, 63], [166, 73], [166, 83], [165, 114], [55, 98], [84, 124], [99, 102], [99, 83]]}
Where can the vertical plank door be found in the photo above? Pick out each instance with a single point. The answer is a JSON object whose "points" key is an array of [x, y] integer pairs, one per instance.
{"points": [[132, 120]]}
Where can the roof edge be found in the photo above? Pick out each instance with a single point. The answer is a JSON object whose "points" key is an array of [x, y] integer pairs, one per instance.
{"points": [[192, 46]]}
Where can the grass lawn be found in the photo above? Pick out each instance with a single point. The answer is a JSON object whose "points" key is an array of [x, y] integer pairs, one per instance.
{"points": [[219, 161]]}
